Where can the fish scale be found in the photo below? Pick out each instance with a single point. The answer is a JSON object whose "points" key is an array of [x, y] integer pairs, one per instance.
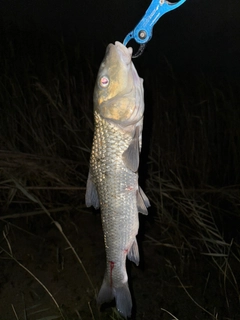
{"points": [[118, 209], [113, 179]]}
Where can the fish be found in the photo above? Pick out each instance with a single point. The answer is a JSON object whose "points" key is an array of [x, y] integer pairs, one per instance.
{"points": [[112, 182]]}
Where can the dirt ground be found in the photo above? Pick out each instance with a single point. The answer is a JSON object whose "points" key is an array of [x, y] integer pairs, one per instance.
{"points": [[156, 285]]}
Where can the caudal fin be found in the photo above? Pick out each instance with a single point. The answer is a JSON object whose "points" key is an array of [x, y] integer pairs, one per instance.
{"points": [[121, 294], [105, 294], [123, 300]]}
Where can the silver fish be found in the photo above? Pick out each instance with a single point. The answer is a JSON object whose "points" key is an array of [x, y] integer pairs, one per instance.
{"points": [[113, 179]]}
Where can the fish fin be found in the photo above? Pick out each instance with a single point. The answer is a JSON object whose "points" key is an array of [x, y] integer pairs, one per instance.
{"points": [[105, 294], [131, 155], [123, 300], [133, 253], [145, 198], [91, 197], [121, 294], [142, 201]]}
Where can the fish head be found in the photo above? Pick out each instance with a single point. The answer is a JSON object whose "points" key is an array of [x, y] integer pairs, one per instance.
{"points": [[118, 93]]}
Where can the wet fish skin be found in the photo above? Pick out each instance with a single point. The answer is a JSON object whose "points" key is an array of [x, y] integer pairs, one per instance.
{"points": [[113, 179]]}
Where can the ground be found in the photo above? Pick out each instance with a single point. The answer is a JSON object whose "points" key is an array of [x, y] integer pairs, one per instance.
{"points": [[165, 283]]}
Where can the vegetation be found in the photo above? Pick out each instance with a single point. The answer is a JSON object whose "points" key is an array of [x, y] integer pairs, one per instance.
{"points": [[190, 160]]}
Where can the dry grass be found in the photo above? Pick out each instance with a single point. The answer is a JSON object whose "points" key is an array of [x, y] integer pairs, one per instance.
{"points": [[192, 165]]}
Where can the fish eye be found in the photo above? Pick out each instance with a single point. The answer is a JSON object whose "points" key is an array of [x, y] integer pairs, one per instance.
{"points": [[104, 82]]}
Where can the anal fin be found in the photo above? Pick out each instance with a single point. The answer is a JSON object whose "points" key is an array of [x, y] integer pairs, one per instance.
{"points": [[142, 201], [133, 253]]}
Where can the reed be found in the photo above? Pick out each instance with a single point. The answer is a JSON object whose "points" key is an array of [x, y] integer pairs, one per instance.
{"points": [[190, 155]]}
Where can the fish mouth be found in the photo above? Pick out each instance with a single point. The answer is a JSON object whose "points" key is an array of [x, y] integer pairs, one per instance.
{"points": [[123, 52], [122, 101], [125, 55]]}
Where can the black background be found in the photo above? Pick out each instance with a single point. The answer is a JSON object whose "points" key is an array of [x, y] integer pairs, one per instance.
{"points": [[199, 35]]}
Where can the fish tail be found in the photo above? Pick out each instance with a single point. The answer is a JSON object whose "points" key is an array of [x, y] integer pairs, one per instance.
{"points": [[121, 294], [105, 294], [123, 300]]}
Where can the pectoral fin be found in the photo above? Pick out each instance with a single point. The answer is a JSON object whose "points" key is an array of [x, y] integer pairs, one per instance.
{"points": [[131, 155], [142, 201], [91, 197]]}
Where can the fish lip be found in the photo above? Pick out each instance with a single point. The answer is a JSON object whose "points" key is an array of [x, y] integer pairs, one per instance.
{"points": [[124, 52], [130, 90]]}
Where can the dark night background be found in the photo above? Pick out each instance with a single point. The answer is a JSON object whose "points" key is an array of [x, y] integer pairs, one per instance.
{"points": [[50, 52], [200, 35]]}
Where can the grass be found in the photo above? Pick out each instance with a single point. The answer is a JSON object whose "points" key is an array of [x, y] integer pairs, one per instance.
{"points": [[189, 164]]}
